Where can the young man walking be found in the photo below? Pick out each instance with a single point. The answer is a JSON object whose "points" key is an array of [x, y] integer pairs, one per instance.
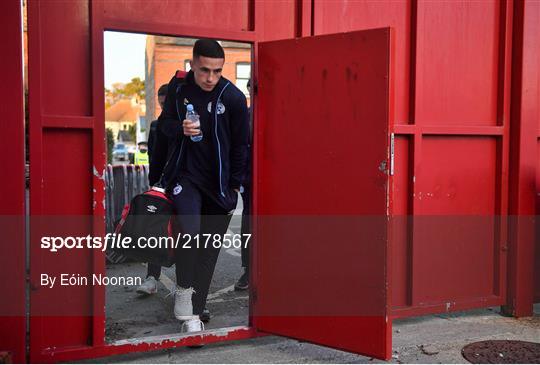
{"points": [[206, 175]]}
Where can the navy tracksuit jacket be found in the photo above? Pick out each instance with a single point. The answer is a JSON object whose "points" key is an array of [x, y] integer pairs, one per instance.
{"points": [[229, 136], [202, 200]]}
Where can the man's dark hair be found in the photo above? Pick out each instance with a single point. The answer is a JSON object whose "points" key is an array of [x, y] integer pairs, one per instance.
{"points": [[208, 48], [162, 91], [142, 143]]}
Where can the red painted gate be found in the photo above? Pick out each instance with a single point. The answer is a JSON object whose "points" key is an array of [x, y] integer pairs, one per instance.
{"points": [[67, 129], [454, 85], [323, 192]]}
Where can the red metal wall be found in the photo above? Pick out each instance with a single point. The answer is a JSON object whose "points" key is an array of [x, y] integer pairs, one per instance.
{"points": [[527, 112], [241, 20], [66, 166], [453, 91], [524, 143], [452, 107], [532, 54], [12, 185], [67, 144], [452, 97]]}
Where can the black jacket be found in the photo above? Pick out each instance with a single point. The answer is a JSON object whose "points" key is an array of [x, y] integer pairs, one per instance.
{"points": [[152, 137], [230, 137], [163, 147]]}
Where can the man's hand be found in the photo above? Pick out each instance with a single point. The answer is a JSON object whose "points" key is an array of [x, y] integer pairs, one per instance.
{"points": [[190, 128]]}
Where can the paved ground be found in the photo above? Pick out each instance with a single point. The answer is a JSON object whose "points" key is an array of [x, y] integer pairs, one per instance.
{"points": [[130, 315], [430, 339]]}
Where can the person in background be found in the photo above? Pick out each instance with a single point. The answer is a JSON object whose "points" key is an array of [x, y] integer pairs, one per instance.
{"points": [[162, 147], [149, 285], [141, 156], [152, 138], [243, 282]]}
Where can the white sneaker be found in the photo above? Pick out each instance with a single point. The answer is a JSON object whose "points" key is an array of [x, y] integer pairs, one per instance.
{"points": [[148, 286], [192, 325], [183, 306]]}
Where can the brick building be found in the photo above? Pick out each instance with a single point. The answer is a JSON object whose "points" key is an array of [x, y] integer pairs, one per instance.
{"points": [[165, 55]]}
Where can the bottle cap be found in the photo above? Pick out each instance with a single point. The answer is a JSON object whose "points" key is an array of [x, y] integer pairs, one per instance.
{"points": [[189, 107]]}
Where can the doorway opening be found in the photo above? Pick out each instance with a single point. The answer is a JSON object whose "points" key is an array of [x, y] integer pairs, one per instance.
{"points": [[136, 66]]}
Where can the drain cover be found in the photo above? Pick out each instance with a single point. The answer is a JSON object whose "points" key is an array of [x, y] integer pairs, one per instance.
{"points": [[502, 352]]}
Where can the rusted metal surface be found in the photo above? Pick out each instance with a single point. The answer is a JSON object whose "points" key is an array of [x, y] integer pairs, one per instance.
{"points": [[502, 352], [6, 357], [148, 344]]}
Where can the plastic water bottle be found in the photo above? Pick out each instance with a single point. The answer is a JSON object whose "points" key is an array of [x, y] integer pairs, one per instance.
{"points": [[192, 115]]}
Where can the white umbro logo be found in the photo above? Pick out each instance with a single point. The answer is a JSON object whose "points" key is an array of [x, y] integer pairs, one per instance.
{"points": [[151, 208]]}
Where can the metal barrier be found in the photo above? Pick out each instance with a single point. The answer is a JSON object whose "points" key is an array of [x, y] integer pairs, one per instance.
{"points": [[122, 183]]}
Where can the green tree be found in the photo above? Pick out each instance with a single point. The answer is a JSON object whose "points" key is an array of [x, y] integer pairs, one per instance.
{"points": [[134, 88], [133, 132], [110, 144]]}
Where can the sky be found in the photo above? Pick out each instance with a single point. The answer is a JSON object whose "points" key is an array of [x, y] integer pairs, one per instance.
{"points": [[124, 57]]}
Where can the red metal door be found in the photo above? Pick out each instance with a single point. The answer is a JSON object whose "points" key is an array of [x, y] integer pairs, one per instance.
{"points": [[323, 190]]}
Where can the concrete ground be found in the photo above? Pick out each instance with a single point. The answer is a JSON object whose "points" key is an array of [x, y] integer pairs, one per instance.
{"points": [[430, 339], [130, 315]]}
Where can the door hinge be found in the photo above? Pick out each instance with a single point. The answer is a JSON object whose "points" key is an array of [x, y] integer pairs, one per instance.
{"points": [[392, 154]]}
